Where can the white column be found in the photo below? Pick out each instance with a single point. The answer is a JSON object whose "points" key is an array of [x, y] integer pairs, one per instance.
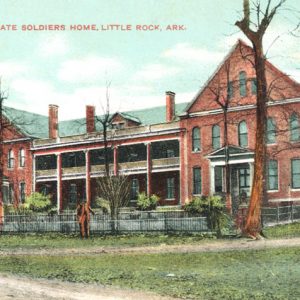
{"points": [[251, 166], [212, 179], [34, 173]]}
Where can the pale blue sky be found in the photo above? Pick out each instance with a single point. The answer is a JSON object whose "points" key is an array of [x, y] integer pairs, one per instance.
{"points": [[71, 68]]}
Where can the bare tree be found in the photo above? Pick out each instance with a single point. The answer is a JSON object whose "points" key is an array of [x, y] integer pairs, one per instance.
{"points": [[263, 20]]}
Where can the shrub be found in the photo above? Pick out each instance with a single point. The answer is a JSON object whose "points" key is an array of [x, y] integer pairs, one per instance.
{"points": [[103, 205], [195, 206], [213, 207], [147, 203], [37, 202]]}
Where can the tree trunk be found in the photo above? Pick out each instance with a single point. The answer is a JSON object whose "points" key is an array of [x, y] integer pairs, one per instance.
{"points": [[253, 220]]}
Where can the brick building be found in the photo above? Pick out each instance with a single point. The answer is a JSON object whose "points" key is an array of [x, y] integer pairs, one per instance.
{"points": [[176, 151]]}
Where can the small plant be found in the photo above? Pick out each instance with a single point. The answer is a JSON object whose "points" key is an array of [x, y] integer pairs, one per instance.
{"points": [[147, 203], [195, 206], [37, 202], [213, 207], [103, 205]]}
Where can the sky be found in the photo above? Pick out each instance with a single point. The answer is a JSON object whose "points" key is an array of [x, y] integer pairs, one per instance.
{"points": [[74, 68]]}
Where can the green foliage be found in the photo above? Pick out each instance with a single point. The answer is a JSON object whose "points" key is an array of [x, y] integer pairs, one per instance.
{"points": [[103, 205], [147, 203], [213, 207], [37, 202], [283, 231], [195, 206]]}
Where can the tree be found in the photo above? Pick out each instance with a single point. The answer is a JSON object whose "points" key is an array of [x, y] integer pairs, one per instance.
{"points": [[113, 188], [264, 18]]}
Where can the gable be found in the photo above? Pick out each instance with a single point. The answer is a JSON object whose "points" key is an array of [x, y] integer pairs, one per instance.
{"points": [[238, 64]]}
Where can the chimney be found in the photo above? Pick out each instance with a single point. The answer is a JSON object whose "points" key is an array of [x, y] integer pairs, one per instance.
{"points": [[170, 106], [90, 118], [53, 121]]}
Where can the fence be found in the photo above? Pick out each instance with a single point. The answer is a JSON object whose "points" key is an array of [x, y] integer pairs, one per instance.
{"points": [[101, 223], [280, 214]]}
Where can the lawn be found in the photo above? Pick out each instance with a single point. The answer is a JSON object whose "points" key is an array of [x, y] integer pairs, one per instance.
{"points": [[263, 274], [56, 240], [283, 231]]}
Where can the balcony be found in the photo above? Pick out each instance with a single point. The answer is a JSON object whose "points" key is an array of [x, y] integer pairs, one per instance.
{"points": [[46, 173], [165, 163], [135, 166]]}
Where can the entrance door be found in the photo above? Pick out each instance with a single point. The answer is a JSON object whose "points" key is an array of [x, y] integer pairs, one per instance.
{"points": [[240, 184]]}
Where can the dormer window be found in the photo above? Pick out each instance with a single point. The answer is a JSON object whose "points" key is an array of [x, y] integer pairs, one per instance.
{"points": [[118, 126]]}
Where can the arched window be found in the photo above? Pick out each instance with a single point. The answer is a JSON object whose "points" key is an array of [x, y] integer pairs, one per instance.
{"points": [[22, 157], [196, 139], [271, 131], [216, 136], [243, 80], [294, 127], [10, 159], [243, 134]]}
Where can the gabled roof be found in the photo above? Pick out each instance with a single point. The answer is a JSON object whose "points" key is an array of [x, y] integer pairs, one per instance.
{"points": [[127, 117], [234, 152], [36, 125], [269, 66], [27, 123]]}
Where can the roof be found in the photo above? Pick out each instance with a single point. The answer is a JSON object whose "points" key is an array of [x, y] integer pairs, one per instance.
{"points": [[35, 125], [27, 123]]}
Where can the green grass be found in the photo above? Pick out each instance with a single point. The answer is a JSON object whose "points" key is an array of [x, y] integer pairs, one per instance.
{"points": [[56, 240], [263, 274], [283, 231]]}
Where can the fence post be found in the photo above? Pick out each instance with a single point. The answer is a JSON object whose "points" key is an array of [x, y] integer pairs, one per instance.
{"points": [[277, 214], [292, 212]]}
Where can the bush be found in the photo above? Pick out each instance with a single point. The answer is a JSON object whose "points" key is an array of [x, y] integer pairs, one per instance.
{"points": [[147, 203], [37, 202], [103, 205], [213, 207]]}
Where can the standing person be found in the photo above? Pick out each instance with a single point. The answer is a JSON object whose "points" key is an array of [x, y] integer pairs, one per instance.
{"points": [[83, 211]]}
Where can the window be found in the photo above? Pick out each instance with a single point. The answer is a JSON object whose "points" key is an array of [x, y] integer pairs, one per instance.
{"points": [[22, 157], [197, 181], [170, 153], [216, 136], [46, 162], [171, 188], [243, 80], [134, 189], [196, 139], [271, 131], [296, 173], [164, 149], [22, 192], [230, 90], [45, 189], [10, 159], [273, 175], [244, 178], [73, 159], [243, 134], [218, 179], [118, 125], [253, 86], [10, 193], [294, 127], [73, 193]]}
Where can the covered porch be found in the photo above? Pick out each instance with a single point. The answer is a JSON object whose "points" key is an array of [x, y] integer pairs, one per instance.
{"points": [[240, 166]]}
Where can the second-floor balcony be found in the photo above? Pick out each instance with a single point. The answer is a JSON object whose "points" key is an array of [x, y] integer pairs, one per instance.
{"points": [[131, 159]]}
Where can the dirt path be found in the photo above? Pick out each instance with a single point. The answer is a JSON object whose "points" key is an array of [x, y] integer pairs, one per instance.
{"points": [[21, 288], [206, 246]]}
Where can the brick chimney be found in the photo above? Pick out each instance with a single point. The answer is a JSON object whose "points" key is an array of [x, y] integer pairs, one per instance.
{"points": [[170, 106], [53, 121], [90, 118]]}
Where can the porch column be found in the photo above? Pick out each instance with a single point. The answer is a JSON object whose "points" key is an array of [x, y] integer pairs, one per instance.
{"points": [[59, 184], [116, 161], [251, 167], [149, 169], [212, 179], [34, 173], [87, 178]]}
